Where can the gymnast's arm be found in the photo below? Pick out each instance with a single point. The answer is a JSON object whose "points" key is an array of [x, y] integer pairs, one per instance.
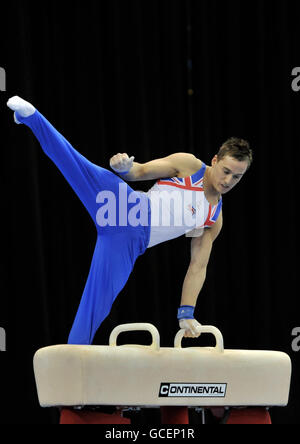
{"points": [[170, 166], [201, 248]]}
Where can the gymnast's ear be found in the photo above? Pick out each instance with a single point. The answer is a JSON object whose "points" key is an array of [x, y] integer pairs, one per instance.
{"points": [[214, 160]]}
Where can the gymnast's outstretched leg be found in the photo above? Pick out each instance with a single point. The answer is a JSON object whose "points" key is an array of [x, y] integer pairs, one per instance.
{"points": [[117, 248], [112, 264], [86, 179]]}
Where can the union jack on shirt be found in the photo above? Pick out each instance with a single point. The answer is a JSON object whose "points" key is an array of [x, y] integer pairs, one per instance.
{"points": [[195, 183]]}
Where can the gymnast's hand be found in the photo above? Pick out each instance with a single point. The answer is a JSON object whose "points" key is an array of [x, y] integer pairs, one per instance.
{"points": [[121, 163], [192, 328], [187, 321]]}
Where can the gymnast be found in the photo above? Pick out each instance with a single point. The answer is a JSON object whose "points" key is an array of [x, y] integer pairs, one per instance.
{"points": [[186, 200]]}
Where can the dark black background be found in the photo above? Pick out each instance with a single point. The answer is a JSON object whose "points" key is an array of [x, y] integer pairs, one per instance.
{"points": [[113, 76]]}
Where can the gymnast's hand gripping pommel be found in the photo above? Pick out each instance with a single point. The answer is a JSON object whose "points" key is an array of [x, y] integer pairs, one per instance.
{"points": [[187, 321]]}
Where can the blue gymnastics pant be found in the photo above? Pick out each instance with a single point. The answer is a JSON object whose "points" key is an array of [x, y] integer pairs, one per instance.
{"points": [[117, 247]]}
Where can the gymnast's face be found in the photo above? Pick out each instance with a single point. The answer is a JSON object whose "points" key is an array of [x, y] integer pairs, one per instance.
{"points": [[227, 173]]}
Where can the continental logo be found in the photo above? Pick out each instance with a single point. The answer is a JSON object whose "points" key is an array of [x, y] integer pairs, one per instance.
{"points": [[192, 390]]}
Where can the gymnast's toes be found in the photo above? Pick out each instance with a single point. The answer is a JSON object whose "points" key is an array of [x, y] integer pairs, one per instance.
{"points": [[25, 109]]}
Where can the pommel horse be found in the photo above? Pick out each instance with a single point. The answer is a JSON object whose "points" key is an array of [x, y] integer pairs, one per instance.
{"points": [[245, 383]]}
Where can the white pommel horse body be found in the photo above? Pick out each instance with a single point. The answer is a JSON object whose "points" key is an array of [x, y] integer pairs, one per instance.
{"points": [[69, 376]]}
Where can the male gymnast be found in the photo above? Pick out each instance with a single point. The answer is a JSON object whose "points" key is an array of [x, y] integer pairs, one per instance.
{"points": [[186, 200]]}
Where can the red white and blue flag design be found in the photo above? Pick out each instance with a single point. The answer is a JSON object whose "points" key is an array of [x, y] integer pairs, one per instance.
{"points": [[195, 183]]}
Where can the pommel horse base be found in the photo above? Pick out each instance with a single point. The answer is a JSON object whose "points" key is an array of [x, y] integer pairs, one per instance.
{"points": [[173, 379]]}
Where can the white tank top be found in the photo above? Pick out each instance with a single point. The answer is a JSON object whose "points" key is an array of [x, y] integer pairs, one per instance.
{"points": [[179, 207]]}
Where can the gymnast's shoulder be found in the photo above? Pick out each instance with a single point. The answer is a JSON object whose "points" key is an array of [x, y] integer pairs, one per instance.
{"points": [[187, 164]]}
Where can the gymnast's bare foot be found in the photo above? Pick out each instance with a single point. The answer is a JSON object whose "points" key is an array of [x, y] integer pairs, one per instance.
{"points": [[25, 109]]}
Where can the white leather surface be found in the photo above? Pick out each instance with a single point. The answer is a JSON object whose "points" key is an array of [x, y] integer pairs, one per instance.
{"points": [[133, 375]]}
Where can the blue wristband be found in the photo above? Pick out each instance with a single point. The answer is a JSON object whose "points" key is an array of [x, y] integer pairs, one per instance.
{"points": [[121, 173], [186, 312]]}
